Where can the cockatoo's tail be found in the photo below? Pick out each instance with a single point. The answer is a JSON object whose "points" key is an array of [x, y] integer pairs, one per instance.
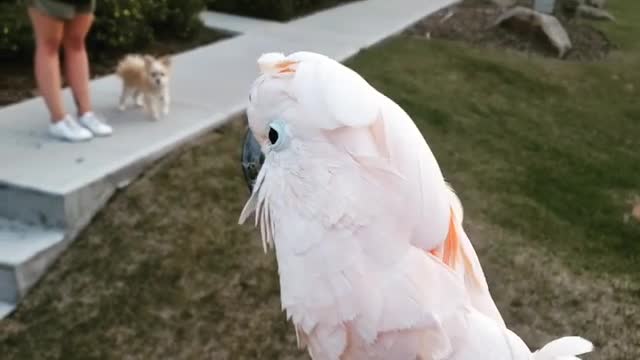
{"points": [[373, 260]]}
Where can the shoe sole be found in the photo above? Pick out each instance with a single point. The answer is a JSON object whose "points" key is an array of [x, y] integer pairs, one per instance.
{"points": [[66, 139]]}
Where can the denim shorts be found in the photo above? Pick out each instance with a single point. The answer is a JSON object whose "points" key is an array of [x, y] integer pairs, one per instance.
{"points": [[63, 10]]}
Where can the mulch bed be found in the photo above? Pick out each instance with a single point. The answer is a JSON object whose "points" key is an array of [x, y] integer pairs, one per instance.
{"points": [[472, 21]]}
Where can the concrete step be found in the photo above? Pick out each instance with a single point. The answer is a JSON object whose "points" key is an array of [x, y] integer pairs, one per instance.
{"points": [[6, 309], [26, 253]]}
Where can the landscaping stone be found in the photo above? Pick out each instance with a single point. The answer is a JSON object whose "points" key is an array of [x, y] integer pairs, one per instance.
{"points": [[547, 23]]}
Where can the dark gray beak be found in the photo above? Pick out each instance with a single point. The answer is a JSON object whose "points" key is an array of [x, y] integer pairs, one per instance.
{"points": [[252, 159]]}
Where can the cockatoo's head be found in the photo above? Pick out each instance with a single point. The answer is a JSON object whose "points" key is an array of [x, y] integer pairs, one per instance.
{"points": [[297, 98], [274, 111]]}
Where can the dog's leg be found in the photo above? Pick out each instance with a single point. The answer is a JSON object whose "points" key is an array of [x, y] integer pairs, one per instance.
{"points": [[146, 103], [126, 92], [157, 108], [166, 99], [138, 98], [151, 106]]}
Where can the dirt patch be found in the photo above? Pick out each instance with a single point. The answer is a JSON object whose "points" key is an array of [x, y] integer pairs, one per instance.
{"points": [[541, 299], [472, 21], [17, 81]]}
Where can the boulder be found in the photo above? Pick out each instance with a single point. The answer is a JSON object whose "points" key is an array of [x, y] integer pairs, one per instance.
{"points": [[548, 24], [595, 13]]}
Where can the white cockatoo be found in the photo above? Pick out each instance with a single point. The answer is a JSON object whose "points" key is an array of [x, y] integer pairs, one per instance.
{"points": [[372, 257]]}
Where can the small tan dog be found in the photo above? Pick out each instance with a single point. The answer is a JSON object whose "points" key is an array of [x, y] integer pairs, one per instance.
{"points": [[145, 79]]}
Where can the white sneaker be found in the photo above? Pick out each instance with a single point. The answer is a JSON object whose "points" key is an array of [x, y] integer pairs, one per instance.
{"points": [[67, 129], [97, 127]]}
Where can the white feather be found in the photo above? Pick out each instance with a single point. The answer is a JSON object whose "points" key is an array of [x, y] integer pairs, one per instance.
{"points": [[456, 204], [268, 62], [563, 349]]}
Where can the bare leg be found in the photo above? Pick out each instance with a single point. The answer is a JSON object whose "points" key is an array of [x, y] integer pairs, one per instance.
{"points": [[48, 34], [77, 61]]}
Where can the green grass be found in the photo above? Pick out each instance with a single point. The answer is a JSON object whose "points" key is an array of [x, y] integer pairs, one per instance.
{"points": [[555, 146], [543, 151]]}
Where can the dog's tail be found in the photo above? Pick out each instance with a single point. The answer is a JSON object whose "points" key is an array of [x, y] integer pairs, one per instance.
{"points": [[130, 64]]}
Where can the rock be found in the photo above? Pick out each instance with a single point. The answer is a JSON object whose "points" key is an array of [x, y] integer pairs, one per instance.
{"points": [[544, 6], [551, 27], [571, 5], [597, 3], [591, 12], [447, 16], [504, 4]]}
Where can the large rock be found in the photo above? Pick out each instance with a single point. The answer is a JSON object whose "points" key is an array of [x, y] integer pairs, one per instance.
{"points": [[595, 13], [548, 24], [597, 3]]}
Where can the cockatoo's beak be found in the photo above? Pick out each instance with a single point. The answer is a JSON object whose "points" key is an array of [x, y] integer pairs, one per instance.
{"points": [[252, 159]]}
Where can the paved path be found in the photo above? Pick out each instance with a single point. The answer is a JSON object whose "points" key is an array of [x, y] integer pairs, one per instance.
{"points": [[49, 190]]}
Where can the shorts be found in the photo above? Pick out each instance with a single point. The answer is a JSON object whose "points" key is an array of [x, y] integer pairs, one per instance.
{"points": [[62, 10]]}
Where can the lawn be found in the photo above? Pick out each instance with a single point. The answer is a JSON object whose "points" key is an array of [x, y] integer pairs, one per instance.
{"points": [[545, 155]]}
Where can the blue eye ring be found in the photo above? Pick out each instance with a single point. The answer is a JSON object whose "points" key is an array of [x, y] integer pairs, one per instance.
{"points": [[278, 134]]}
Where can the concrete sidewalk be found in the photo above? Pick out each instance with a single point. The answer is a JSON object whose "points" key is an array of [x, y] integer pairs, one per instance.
{"points": [[49, 190]]}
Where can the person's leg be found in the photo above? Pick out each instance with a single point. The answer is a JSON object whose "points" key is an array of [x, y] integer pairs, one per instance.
{"points": [[76, 59], [48, 36], [77, 71]]}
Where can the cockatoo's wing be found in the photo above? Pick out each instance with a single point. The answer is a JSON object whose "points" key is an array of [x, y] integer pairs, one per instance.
{"points": [[348, 272], [394, 139]]}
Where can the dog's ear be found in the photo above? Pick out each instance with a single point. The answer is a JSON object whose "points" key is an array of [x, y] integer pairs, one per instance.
{"points": [[165, 60], [148, 60]]}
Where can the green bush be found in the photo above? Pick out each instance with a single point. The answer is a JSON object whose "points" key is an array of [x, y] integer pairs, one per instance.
{"points": [[120, 25], [16, 38], [179, 18], [280, 10], [125, 25]]}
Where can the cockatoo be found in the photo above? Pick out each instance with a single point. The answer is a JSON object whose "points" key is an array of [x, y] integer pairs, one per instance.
{"points": [[372, 257]]}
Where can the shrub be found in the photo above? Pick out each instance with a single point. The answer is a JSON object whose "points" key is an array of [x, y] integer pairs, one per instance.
{"points": [[125, 25], [120, 25], [179, 18], [16, 38], [280, 10], [269, 9]]}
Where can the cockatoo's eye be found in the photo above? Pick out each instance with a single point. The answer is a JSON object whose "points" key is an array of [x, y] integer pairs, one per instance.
{"points": [[278, 135], [273, 136]]}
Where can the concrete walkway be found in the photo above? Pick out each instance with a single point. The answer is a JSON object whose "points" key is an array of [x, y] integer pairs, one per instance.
{"points": [[50, 190]]}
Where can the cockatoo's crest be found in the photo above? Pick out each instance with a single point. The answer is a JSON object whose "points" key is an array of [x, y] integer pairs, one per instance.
{"points": [[275, 63]]}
